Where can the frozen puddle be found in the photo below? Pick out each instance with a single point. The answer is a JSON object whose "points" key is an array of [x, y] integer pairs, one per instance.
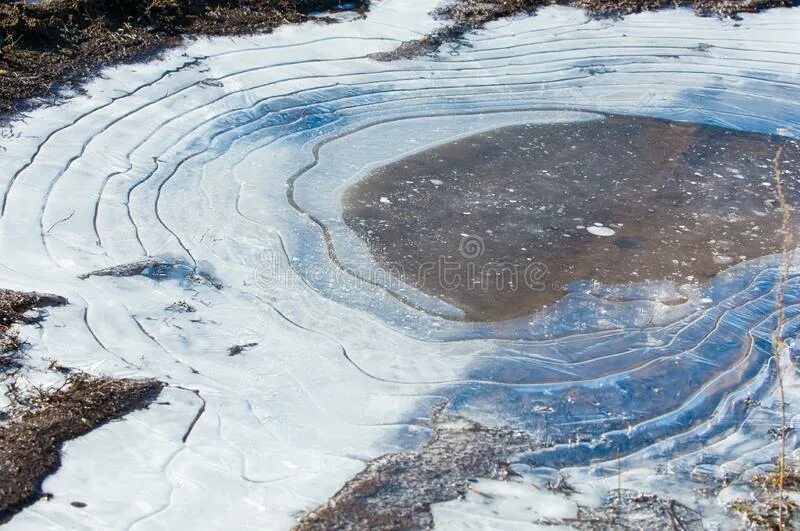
{"points": [[245, 192]]}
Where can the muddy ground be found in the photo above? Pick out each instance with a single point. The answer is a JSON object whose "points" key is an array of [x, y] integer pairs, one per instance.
{"points": [[31, 441], [38, 421], [55, 44], [395, 491]]}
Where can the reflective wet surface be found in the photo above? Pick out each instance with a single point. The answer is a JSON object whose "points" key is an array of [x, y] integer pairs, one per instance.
{"points": [[506, 222]]}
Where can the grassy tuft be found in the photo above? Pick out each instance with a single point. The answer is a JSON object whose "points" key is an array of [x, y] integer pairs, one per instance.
{"points": [[31, 440]]}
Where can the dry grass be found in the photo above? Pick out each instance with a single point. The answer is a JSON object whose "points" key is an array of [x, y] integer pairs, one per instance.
{"points": [[468, 15], [40, 421], [788, 477], [31, 440], [57, 42], [11, 345], [763, 516], [15, 307], [764, 511]]}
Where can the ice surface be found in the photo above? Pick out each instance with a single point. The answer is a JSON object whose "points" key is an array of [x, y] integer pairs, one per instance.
{"points": [[230, 157]]}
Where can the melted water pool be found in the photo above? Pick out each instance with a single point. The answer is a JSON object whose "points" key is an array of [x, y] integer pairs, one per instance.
{"points": [[551, 208]]}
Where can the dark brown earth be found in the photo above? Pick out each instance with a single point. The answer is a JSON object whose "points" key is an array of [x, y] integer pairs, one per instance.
{"points": [[54, 43], [395, 491], [37, 423], [30, 442], [463, 16], [497, 223], [628, 510]]}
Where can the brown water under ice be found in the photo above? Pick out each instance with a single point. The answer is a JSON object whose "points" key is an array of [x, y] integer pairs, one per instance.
{"points": [[499, 223]]}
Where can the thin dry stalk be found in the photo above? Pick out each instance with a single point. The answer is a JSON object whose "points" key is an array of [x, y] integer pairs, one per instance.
{"points": [[778, 342], [619, 482]]}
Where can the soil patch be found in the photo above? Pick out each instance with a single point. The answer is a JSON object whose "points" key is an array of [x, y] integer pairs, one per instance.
{"points": [[395, 491], [30, 442], [53, 43]]}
